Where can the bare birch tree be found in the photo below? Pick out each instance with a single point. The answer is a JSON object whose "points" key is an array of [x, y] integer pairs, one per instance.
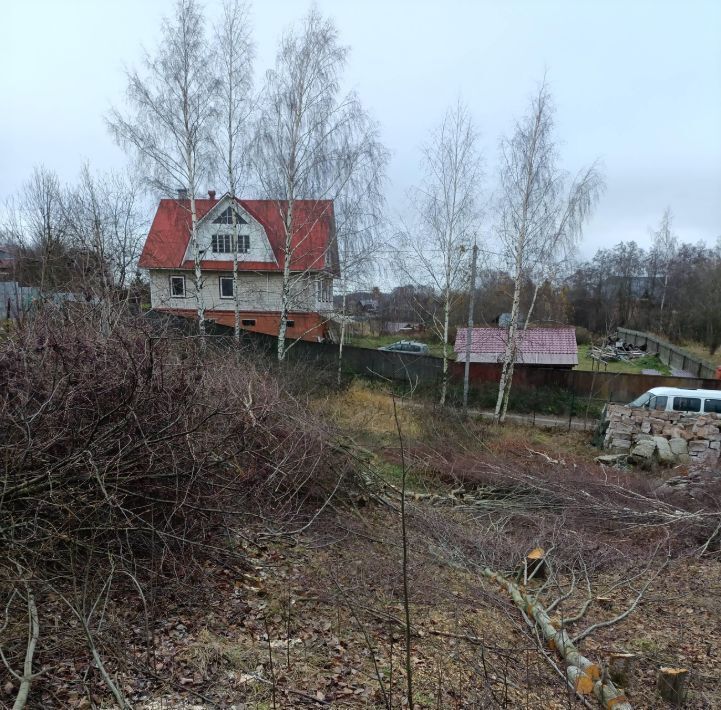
{"points": [[235, 52], [448, 211], [310, 141], [360, 221], [105, 231], [539, 217], [171, 118], [37, 221], [665, 246]]}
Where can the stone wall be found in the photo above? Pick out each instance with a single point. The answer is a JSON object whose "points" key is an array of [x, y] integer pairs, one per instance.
{"points": [[667, 437]]}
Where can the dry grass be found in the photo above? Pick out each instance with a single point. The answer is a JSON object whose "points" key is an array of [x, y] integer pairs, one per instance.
{"points": [[702, 352], [362, 409]]}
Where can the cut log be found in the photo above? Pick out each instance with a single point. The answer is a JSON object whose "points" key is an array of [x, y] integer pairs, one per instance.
{"points": [[579, 681], [577, 665], [671, 684], [620, 668]]}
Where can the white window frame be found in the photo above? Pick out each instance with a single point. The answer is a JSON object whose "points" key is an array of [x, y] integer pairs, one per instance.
{"points": [[223, 243], [227, 241], [170, 283], [325, 289], [220, 286], [244, 241]]}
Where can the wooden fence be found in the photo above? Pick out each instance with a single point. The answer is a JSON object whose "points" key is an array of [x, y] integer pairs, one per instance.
{"points": [[609, 386], [426, 370]]}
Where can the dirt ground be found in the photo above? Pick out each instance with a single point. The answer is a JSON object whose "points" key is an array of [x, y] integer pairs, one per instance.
{"points": [[320, 623]]}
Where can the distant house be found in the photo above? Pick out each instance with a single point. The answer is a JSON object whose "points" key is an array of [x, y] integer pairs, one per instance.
{"points": [[368, 306], [536, 346], [402, 327], [504, 319], [168, 257]]}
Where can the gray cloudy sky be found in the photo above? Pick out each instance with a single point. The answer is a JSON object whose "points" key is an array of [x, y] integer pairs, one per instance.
{"points": [[637, 84]]}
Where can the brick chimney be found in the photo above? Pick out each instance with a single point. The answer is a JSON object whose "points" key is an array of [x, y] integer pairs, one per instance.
{"points": [[182, 193], [211, 194]]}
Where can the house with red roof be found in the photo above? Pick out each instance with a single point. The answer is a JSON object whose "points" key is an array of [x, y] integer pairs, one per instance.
{"points": [[168, 257], [551, 347]]}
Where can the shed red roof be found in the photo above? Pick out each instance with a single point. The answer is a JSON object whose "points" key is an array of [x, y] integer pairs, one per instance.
{"points": [[535, 345], [313, 245]]}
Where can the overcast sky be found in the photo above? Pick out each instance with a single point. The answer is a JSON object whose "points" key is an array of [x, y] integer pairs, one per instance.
{"points": [[636, 85]]}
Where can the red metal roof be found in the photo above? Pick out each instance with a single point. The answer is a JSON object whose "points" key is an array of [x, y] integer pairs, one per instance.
{"points": [[313, 246], [535, 345]]}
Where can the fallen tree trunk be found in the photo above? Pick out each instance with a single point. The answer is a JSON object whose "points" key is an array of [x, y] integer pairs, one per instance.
{"points": [[583, 675]]}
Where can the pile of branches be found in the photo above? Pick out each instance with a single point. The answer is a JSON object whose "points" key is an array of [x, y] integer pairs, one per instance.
{"points": [[538, 491], [127, 459]]}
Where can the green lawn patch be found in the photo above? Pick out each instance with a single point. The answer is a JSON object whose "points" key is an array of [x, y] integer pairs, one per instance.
{"points": [[378, 341], [633, 367]]}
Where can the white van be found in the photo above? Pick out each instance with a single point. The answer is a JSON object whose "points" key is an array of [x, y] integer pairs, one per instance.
{"points": [[675, 399]]}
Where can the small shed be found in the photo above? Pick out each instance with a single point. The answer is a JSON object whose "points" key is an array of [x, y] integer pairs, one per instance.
{"points": [[554, 347]]}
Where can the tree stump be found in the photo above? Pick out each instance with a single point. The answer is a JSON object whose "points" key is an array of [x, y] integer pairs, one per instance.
{"points": [[620, 668], [671, 684], [534, 566], [604, 602]]}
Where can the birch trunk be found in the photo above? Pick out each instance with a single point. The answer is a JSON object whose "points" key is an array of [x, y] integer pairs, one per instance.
{"points": [[197, 267], [583, 674], [512, 362], [342, 336], [504, 386], [531, 307], [285, 290], [236, 282], [446, 320]]}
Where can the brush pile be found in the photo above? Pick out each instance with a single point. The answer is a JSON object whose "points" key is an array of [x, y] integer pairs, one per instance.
{"points": [[127, 461]]}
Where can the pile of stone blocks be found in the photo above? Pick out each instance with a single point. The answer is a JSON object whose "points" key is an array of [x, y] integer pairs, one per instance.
{"points": [[669, 438]]}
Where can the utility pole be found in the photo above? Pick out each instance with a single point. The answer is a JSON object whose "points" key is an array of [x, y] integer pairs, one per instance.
{"points": [[471, 300]]}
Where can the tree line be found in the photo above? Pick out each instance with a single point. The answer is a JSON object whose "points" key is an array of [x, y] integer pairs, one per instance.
{"points": [[672, 288], [674, 292]]}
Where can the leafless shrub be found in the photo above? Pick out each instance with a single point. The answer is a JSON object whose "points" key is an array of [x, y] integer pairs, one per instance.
{"points": [[126, 458]]}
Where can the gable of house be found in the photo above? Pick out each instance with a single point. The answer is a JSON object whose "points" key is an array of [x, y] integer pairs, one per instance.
{"points": [[216, 233]]}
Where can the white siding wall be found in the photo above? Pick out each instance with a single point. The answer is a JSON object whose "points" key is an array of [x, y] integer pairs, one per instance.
{"points": [[259, 292]]}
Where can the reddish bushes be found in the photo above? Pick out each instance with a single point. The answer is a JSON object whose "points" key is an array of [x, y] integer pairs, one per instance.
{"points": [[127, 453]]}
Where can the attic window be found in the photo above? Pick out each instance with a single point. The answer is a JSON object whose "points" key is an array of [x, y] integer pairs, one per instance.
{"points": [[248, 321], [324, 288], [290, 323], [222, 243], [227, 217]]}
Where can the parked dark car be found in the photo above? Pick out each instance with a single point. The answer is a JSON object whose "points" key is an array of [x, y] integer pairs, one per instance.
{"points": [[408, 347]]}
